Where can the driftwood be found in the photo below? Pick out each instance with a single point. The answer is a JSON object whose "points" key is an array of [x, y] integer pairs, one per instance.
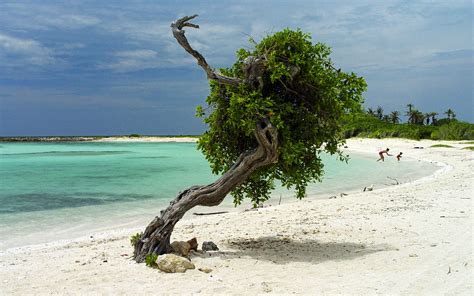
{"points": [[393, 179], [212, 213]]}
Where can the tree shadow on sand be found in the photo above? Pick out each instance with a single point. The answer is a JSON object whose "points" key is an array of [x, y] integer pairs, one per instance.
{"points": [[281, 250]]}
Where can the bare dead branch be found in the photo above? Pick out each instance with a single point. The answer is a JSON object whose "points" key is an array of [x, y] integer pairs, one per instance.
{"points": [[393, 179], [178, 33]]}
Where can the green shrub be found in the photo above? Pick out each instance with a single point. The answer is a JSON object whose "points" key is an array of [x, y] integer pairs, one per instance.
{"points": [[434, 135], [469, 148], [364, 125], [134, 136], [150, 260], [456, 130], [135, 238], [441, 146]]}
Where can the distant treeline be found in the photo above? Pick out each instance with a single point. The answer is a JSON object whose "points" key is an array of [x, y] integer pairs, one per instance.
{"points": [[375, 124]]}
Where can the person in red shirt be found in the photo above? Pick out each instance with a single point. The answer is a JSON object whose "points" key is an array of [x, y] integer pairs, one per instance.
{"points": [[381, 154]]}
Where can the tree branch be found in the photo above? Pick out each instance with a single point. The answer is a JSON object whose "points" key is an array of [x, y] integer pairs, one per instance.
{"points": [[178, 33], [156, 237]]}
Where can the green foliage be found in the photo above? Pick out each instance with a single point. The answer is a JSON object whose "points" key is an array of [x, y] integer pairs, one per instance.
{"points": [[441, 146], [365, 125], [134, 136], [469, 148], [301, 93], [442, 121], [456, 130], [135, 238], [150, 260]]}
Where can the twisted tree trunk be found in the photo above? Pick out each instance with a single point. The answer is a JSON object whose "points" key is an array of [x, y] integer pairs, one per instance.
{"points": [[156, 238]]}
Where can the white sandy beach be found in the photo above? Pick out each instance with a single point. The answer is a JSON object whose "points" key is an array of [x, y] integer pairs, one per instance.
{"points": [[408, 239]]}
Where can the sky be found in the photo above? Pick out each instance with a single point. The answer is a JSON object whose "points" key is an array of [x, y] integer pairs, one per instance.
{"points": [[113, 67]]}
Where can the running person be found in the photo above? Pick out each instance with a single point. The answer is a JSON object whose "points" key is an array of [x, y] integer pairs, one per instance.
{"points": [[381, 154]]}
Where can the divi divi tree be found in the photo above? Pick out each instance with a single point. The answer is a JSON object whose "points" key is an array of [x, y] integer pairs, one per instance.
{"points": [[269, 117]]}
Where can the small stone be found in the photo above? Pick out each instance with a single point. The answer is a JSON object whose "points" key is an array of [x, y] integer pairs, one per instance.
{"points": [[209, 246], [181, 248], [413, 255], [266, 287], [205, 269], [193, 243], [172, 263], [214, 278]]}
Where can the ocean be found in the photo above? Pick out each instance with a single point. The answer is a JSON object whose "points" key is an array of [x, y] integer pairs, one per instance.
{"points": [[56, 191]]}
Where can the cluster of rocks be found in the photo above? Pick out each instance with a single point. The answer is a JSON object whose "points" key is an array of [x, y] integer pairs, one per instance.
{"points": [[179, 261]]}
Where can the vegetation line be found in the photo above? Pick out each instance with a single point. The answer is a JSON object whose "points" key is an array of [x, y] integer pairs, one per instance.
{"points": [[376, 124]]}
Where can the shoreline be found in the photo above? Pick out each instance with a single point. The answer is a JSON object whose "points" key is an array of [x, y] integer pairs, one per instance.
{"points": [[245, 206], [388, 233], [112, 229]]}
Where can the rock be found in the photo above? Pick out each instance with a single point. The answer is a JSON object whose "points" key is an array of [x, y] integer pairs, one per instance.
{"points": [[209, 246], [193, 243], [371, 188], [205, 269], [266, 287], [172, 263], [181, 248]]}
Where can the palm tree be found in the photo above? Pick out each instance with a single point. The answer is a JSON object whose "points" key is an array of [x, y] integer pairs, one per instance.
{"points": [[427, 118], [379, 113], [450, 113], [411, 116], [371, 111], [418, 117], [433, 117], [409, 112], [415, 117], [386, 118], [395, 117]]}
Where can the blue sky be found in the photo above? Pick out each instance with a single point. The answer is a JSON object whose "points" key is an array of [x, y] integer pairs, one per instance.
{"points": [[113, 67]]}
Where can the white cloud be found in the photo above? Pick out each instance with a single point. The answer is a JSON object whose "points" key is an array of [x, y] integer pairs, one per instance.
{"points": [[43, 16], [133, 60], [67, 21], [137, 54], [27, 51]]}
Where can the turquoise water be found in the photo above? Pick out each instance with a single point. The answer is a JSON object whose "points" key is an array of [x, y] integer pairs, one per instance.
{"points": [[52, 191]]}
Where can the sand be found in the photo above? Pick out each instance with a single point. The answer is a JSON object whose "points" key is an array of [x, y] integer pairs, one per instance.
{"points": [[408, 239]]}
